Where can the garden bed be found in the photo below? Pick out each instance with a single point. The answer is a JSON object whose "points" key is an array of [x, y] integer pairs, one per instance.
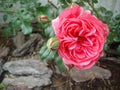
{"points": [[60, 82]]}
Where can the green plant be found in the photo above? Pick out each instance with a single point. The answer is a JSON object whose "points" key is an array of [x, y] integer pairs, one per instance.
{"points": [[114, 35], [22, 17], [2, 86]]}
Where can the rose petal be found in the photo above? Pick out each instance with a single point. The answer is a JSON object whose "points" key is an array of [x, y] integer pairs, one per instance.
{"points": [[55, 25]]}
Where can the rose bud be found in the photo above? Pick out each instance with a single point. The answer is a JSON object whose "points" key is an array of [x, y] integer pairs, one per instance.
{"points": [[43, 18], [53, 43]]}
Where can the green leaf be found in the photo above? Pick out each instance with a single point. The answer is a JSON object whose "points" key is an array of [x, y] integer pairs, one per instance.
{"points": [[26, 28], [52, 33], [95, 1], [109, 13], [42, 50], [106, 47], [86, 0], [46, 54], [5, 17], [116, 39], [102, 9], [2, 86], [51, 56], [49, 32], [6, 31], [47, 10], [60, 64], [110, 37], [63, 3], [60, 9], [118, 49], [27, 17]]}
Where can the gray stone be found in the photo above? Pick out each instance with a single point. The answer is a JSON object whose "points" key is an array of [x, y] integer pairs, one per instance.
{"points": [[28, 46], [4, 52], [17, 88], [19, 39], [29, 81], [90, 74], [1, 64], [27, 73], [26, 67], [21, 88]]}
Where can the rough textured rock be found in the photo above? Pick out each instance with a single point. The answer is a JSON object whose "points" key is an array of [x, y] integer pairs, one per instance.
{"points": [[1, 69], [28, 46], [4, 52], [19, 39], [90, 74], [17, 88], [20, 88], [27, 81], [114, 59], [27, 73], [26, 67], [1, 64]]}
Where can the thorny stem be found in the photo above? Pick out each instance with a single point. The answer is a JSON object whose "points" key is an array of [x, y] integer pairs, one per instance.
{"points": [[67, 3], [69, 79], [52, 4], [90, 2]]}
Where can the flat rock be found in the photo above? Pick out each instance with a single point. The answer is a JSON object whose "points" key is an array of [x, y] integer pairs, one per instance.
{"points": [[26, 67], [90, 74], [27, 73], [27, 81], [28, 46], [4, 52], [21, 88], [1, 64], [19, 39]]}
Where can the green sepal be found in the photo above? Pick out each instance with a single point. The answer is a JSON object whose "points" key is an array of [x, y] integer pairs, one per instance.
{"points": [[60, 64]]}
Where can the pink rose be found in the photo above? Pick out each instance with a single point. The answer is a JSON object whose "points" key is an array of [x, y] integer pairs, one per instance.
{"points": [[81, 35]]}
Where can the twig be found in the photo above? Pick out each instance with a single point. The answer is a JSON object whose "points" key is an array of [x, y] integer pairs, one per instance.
{"points": [[93, 8], [69, 79], [52, 4], [67, 3]]}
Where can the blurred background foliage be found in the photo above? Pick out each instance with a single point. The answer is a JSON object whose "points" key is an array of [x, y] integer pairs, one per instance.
{"points": [[29, 12]]}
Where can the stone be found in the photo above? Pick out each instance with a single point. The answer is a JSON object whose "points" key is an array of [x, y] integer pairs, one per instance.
{"points": [[1, 69], [29, 81], [19, 39], [113, 59], [1, 64], [17, 88], [28, 73], [21, 88], [26, 67], [90, 74], [4, 52], [28, 46]]}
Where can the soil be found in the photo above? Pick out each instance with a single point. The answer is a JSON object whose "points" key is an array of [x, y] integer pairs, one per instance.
{"points": [[60, 82]]}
